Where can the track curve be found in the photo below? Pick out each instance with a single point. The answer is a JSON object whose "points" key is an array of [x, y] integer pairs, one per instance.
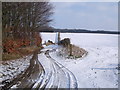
{"points": [[60, 77], [44, 72]]}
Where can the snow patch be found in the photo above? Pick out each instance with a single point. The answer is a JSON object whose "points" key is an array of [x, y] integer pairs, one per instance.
{"points": [[98, 68], [9, 69]]}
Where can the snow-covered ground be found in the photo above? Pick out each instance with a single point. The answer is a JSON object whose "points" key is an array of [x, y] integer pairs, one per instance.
{"points": [[9, 69], [98, 68]]}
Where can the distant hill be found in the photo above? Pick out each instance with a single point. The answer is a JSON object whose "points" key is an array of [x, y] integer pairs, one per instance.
{"points": [[79, 31]]}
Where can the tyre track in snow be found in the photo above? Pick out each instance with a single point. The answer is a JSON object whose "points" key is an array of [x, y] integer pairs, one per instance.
{"points": [[28, 78], [59, 76], [44, 72]]}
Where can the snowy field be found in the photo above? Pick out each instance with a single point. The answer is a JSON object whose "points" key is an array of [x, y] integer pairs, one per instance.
{"points": [[98, 68]]}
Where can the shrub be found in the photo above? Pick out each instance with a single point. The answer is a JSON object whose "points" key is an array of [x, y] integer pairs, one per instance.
{"points": [[65, 42], [38, 39], [11, 46]]}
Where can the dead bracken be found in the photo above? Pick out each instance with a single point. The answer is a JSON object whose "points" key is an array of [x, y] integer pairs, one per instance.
{"points": [[75, 53]]}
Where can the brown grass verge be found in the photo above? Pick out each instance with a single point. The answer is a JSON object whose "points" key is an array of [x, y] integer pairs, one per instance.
{"points": [[20, 53], [76, 52]]}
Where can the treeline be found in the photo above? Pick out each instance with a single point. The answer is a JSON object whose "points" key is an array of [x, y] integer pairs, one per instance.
{"points": [[79, 31], [21, 22]]}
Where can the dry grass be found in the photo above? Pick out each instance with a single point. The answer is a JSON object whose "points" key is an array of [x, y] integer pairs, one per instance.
{"points": [[77, 52], [20, 53], [11, 56], [0, 49], [28, 50]]}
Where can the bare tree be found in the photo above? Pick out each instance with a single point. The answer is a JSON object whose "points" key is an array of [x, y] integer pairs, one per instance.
{"points": [[26, 16], [24, 19]]}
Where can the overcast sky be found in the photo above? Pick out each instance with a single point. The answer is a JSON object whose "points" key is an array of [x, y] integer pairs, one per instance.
{"points": [[86, 15]]}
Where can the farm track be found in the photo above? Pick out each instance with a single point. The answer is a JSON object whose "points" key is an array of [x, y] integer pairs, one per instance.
{"points": [[43, 73]]}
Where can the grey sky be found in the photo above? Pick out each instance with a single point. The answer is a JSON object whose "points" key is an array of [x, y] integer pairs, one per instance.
{"points": [[86, 15]]}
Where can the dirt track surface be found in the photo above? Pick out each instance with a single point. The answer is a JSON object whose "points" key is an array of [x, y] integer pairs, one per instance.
{"points": [[27, 78], [43, 72]]}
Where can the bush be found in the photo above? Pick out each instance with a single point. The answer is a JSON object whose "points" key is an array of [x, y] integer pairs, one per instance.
{"points": [[38, 40], [10, 45], [65, 42]]}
